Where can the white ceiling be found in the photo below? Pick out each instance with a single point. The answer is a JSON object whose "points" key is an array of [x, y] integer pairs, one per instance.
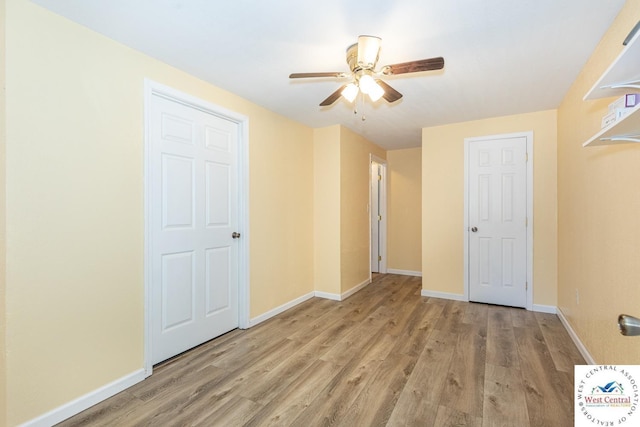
{"points": [[501, 56]]}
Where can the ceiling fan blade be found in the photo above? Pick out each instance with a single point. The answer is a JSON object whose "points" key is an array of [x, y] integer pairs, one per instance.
{"points": [[414, 66], [307, 75], [390, 94], [333, 97]]}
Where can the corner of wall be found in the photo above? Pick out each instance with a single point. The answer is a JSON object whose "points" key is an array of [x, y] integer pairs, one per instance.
{"points": [[355, 172], [3, 275], [326, 209]]}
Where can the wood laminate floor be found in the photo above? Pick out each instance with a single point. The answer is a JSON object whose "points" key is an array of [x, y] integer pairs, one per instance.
{"points": [[385, 356]]}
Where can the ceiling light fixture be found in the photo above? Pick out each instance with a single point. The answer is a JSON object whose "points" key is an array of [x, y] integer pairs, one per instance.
{"points": [[350, 92], [366, 78], [369, 87], [368, 51]]}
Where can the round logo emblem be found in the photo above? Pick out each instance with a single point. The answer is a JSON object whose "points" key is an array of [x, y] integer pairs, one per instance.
{"points": [[606, 395]]}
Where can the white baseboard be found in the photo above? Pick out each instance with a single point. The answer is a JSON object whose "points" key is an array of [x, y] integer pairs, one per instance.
{"points": [[443, 295], [85, 402], [576, 340], [353, 290], [544, 308], [336, 297], [327, 295], [457, 297], [404, 272], [343, 296], [284, 307]]}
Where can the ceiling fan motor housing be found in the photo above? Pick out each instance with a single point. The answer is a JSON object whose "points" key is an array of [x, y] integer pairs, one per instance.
{"points": [[352, 57]]}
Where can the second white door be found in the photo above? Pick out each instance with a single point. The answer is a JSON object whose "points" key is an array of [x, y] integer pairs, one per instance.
{"points": [[497, 191], [192, 218]]}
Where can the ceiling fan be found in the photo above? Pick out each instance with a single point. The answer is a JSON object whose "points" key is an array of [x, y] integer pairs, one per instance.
{"points": [[362, 58]]}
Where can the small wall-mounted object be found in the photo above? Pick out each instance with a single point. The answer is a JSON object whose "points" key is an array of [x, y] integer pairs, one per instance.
{"points": [[629, 325], [631, 34], [625, 129]]}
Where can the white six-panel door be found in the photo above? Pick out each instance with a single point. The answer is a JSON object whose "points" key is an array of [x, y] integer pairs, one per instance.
{"points": [[497, 192], [192, 216]]}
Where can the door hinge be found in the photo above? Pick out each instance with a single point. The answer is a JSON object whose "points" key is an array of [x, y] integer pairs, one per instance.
{"points": [[379, 217], [526, 286], [526, 157], [526, 221], [379, 177], [379, 258]]}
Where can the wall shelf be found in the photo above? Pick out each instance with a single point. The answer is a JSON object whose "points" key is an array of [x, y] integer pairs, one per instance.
{"points": [[622, 76], [623, 131]]}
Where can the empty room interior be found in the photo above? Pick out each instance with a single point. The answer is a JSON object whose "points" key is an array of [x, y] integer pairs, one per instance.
{"points": [[281, 213]]}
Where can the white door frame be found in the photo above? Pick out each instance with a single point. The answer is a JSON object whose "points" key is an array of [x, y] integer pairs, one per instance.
{"points": [[151, 89], [529, 138], [382, 235]]}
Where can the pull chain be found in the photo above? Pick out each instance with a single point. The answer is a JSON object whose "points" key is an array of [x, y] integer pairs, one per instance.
{"points": [[359, 99]]}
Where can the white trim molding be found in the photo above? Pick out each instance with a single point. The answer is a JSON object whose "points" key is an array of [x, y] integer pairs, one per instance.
{"points": [[286, 306], [280, 309], [544, 308], [576, 340], [343, 296], [328, 295], [353, 290], [443, 295], [404, 272], [382, 235], [82, 403]]}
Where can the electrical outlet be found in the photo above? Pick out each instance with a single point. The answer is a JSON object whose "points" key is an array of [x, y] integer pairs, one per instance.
{"points": [[577, 297]]}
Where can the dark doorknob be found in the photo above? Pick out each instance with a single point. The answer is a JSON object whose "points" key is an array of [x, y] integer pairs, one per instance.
{"points": [[235, 235], [474, 229]]}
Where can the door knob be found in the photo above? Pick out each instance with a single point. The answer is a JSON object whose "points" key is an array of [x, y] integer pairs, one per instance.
{"points": [[629, 325], [235, 235], [474, 229]]}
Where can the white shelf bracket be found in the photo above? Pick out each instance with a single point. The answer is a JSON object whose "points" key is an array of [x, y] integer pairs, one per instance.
{"points": [[632, 138], [626, 85]]}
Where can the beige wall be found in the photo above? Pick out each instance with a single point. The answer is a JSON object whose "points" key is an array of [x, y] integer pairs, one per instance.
{"points": [[443, 201], [404, 209], [355, 167], [341, 228], [327, 209], [74, 147], [599, 207], [281, 210], [3, 208]]}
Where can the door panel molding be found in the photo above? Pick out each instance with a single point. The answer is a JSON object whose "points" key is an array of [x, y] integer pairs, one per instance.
{"points": [[152, 89], [528, 135]]}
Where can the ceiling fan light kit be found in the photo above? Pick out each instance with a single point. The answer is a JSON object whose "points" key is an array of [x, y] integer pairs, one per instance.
{"points": [[368, 51], [350, 92], [362, 58]]}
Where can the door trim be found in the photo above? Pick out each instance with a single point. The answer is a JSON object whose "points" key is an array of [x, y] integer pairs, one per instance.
{"points": [[382, 235], [529, 167], [152, 88]]}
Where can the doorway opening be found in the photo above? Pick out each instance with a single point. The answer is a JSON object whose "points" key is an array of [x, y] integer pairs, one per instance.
{"points": [[378, 214]]}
